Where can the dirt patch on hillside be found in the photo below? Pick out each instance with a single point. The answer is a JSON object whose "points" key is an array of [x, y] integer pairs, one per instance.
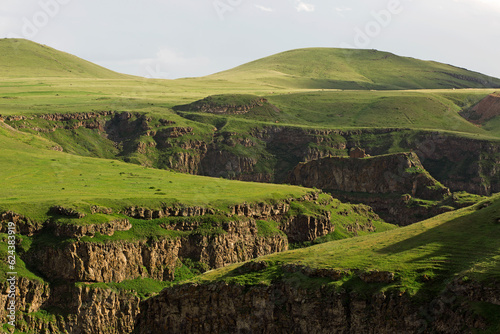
{"points": [[486, 109]]}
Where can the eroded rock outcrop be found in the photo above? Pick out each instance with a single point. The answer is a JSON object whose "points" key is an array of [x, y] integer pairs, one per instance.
{"points": [[87, 261], [24, 225], [87, 310], [396, 173], [30, 295], [307, 228], [387, 183], [90, 230], [283, 308], [268, 154]]}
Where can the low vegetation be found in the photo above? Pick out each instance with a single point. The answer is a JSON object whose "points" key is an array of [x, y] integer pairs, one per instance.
{"points": [[424, 256], [104, 172]]}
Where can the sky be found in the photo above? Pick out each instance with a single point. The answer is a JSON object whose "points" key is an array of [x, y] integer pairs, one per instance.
{"points": [[185, 38]]}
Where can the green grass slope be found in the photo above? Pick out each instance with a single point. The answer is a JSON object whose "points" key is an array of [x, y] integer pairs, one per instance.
{"points": [[415, 109], [21, 58], [423, 256], [37, 79], [330, 68], [34, 178], [399, 109]]}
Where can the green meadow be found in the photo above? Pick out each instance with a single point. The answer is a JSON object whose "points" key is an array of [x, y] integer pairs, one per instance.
{"points": [[314, 88], [31, 173], [349, 69], [424, 256], [415, 104]]}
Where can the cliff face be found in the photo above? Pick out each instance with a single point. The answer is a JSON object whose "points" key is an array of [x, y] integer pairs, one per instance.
{"points": [[266, 154], [96, 310], [282, 308], [87, 310], [279, 307], [215, 242], [79, 258], [387, 183], [475, 164], [462, 164], [398, 173], [230, 242], [121, 260]]}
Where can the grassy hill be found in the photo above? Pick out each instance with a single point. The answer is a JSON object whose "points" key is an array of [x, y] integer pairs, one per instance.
{"points": [[329, 68], [363, 109], [285, 92], [423, 256], [22, 58], [486, 113], [299, 73], [35, 177]]}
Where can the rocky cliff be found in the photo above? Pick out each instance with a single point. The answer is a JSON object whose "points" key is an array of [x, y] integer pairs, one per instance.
{"points": [[390, 184], [400, 173], [195, 233], [460, 163], [87, 261], [80, 309], [265, 153], [79, 264], [284, 308], [278, 307]]}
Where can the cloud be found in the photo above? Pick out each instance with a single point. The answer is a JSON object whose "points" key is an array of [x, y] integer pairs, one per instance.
{"points": [[494, 4], [343, 9], [490, 4], [304, 7], [264, 9]]}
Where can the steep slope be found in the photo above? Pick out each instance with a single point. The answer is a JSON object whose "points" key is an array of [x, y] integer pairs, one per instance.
{"points": [[217, 146], [330, 68], [486, 113], [21, 58], [400, 174], [438, 276], [87, 229], [36, 174]]}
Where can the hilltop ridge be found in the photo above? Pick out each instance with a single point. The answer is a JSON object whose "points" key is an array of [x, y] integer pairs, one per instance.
{"points": [[310, 68], [29, 59], [332, 68], [95, 171]]}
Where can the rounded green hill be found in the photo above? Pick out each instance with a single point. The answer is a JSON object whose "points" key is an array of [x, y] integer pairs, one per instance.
{"points": [[331, 68], [29, 59]]}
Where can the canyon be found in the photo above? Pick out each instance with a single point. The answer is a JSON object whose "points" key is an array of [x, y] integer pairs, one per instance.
{"points": [[73, 261], [268, 153]]}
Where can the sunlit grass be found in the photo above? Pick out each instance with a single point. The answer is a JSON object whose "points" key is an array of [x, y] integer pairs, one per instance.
{"points": [[459, 243], [33, 174]]}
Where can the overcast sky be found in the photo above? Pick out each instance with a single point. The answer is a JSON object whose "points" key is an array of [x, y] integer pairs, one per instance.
{"points": [[181, 38]]}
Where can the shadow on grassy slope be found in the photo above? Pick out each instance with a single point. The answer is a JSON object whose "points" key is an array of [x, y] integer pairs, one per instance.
{"points": [[467, 246]]}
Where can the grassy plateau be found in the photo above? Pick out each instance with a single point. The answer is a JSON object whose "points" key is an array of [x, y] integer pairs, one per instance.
{"points": [[313, 89]]}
